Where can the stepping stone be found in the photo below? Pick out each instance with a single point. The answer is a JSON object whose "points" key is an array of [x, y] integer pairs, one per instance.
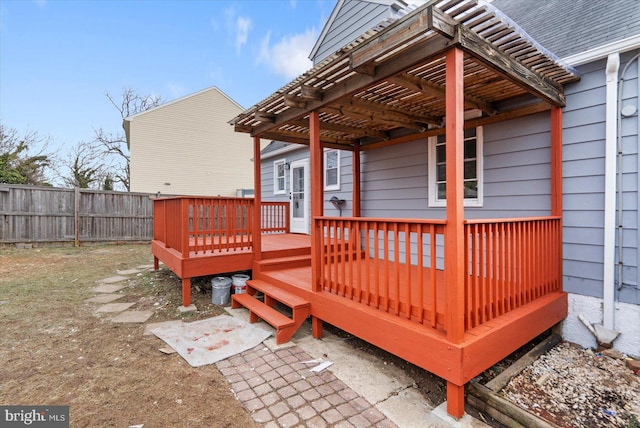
{"points": [[114, 307], [133, 317], [113, 279], [151, 326], [104, 298], [144, 267], [108, 288], [128, 271]]}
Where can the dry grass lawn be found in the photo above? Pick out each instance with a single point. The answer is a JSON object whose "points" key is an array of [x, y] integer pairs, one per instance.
{"points": [[55, 349]]}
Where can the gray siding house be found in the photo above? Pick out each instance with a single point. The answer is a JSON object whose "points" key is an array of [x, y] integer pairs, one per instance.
{"points": [[508, 162]]}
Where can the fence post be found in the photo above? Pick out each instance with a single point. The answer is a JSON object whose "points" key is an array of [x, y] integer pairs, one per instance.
{"points": [[76, 216]]}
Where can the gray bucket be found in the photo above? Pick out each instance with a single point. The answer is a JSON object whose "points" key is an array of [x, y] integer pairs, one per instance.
{"points": [[220, 290], [240, 283]]}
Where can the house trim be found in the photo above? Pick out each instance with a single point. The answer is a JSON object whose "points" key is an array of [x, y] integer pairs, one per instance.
{"points": [[604, 51], [325, 29], [276, 190]]}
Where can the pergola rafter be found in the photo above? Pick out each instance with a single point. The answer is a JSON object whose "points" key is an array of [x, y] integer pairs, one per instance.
{"points": [[394, 77]]}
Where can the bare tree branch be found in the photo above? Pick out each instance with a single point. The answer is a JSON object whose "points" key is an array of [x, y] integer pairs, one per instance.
{"points": [[115, 144]]}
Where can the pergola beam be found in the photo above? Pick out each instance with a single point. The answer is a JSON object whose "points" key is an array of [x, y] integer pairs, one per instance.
{"points": [[353, 130], [421, 85], [410, 57], [303, 138], [416, 24], [509, 68]]}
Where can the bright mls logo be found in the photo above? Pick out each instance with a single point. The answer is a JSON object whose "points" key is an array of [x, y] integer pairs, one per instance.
{"points": [[34, 416]]}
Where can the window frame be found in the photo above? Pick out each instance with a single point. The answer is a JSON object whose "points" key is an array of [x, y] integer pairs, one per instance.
{"points": [[434, 201], [335, 186], [276, 190]]}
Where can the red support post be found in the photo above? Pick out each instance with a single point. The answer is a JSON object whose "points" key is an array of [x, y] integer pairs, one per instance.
{"points": [[317, 195], [454, 241], [256, 233], [454, 235]]}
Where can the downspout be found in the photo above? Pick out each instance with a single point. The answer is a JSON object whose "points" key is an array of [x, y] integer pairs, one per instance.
{"points": [[611, 119]]}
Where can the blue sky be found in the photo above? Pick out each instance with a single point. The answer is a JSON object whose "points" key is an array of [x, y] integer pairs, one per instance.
{"points": [[59, 57]]}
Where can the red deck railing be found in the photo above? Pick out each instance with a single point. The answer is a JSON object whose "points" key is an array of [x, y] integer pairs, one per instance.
{"points": [[397, 266], [201, 224], [275, 217], [510, 262], [387, 264]]}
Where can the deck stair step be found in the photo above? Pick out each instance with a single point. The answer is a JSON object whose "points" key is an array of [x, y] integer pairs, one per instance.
{"points": [[285, 262], [285, 327]]}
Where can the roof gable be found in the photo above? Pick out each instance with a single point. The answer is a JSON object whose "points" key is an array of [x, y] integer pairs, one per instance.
{"points": [[213, 89], [348, 20]]}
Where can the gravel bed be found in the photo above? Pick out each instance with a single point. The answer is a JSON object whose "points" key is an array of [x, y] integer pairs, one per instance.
{"points": [[575, 387]]}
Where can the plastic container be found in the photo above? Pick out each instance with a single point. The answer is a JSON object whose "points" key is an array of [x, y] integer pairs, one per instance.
{"points": [[220, 290], [240, 283]]}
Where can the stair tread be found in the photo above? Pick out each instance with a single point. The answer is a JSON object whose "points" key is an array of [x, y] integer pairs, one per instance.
{"points": [[266, 313], [284, 259], [280, 295]]}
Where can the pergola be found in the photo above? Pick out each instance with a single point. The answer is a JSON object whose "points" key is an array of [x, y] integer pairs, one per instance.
{"points": [[414, 78]]}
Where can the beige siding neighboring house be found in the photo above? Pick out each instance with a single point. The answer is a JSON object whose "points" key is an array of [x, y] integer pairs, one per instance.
{"points": [[187, 147]]}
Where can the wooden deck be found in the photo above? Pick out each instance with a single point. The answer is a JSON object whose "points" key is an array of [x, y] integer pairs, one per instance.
{"points": [[386, 281], [417, 342], [222, 259]]}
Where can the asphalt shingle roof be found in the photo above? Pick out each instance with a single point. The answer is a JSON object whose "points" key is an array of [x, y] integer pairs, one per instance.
{"points": [[567, 27]]}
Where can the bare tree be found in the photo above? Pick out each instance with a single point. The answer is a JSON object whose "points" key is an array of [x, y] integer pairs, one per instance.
{"points": [[84, 166], [114, 144], [24, 158]]}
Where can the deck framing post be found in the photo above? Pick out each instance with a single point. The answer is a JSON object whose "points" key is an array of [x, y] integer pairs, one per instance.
{"points": [[355, 166], [317, 196], [556, 179], [454, 233], [256, 233]]}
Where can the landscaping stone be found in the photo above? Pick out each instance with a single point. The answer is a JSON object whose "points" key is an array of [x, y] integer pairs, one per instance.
{"points": [[105, 298], [133, 317], [108, 288], [113, 279], [128, 271], [114, 307]]}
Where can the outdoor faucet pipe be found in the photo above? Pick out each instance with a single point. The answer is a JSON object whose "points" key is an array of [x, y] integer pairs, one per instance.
{"points": [[619, 172]]}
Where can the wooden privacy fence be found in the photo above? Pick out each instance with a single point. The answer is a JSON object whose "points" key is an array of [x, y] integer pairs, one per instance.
{"points": [[30, 214]]}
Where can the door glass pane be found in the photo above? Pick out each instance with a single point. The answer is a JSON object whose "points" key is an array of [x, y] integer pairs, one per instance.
{"points": [[297, 193]]}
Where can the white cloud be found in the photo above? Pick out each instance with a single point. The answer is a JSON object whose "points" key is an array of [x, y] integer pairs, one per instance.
{"points": [[289, 57], [243, 25]]}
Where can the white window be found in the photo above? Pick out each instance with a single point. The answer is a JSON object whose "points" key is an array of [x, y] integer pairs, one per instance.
{"points": [[279, 174], [473, 183], [332, 170]]}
